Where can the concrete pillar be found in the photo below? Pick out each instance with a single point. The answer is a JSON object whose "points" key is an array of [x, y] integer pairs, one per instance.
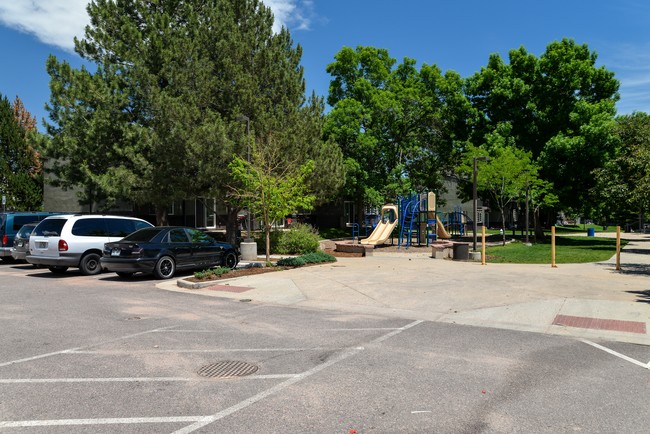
{"points": [[248, 251]]}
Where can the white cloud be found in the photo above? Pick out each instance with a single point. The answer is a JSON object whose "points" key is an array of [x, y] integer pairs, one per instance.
{"points": [[57, 22], [631, 64], [52, 22]]}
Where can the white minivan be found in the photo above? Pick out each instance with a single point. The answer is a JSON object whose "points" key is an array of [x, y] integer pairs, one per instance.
{"points": [[76, 240]]}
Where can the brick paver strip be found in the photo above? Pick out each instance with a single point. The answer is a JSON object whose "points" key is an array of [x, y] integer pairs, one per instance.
{"points": [[600, 324], [228, 288]]}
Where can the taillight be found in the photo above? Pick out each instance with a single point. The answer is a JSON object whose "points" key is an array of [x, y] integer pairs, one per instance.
{"points": [[137, 251], [63, 246], [5, 240]]}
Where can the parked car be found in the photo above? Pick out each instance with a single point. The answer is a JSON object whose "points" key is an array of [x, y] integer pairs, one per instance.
{"points": [[163, 250], [10, 224], [21, 242], [73, 240]]}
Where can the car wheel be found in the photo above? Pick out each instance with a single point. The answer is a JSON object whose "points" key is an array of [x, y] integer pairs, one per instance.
{"points": [[165, 268], [58, 269], [230, 260], [90, 265], [124, 273]]}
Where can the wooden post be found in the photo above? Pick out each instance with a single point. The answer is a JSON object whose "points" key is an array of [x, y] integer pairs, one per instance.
{"points": [[553, 247], [618, 248], [483, 245]]}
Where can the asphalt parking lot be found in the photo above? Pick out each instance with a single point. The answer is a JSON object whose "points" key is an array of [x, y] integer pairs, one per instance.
{"points": [[98, 354]]}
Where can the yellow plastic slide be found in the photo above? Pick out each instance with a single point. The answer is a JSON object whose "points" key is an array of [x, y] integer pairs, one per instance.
{"points": [[441, 231], [385, 227]]}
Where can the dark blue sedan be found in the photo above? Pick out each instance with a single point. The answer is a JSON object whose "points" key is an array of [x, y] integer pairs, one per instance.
{"points": [[163, 250]]}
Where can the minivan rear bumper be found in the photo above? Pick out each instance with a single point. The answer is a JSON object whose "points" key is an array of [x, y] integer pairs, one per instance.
{"points": [[69, 260], [5, 251]]}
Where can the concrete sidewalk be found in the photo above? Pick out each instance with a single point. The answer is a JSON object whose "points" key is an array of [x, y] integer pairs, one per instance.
{"points": [[590, 301]]}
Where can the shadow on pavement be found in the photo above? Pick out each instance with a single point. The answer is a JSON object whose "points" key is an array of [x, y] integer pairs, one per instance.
{"points": [[643, 296], [638, 269]]}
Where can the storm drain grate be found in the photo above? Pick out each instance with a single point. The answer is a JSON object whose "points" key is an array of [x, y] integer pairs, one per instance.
{"points": [[228, 368]]}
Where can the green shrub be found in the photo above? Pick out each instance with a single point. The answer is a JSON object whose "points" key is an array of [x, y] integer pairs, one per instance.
{"points": [[310, 258], [291, 262], [211, 272], [300, 239]]}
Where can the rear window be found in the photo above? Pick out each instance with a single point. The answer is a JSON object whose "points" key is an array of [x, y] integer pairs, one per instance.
{"points": [[50, 228], [25, 231], [123, 227], [143, 235]]}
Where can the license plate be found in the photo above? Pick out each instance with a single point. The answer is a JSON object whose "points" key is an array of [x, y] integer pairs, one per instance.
{"points": [[41, 244], [115, 252]]}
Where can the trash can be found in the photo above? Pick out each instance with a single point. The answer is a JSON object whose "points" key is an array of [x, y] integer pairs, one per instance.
{"points": [[461, 251], [591, 232]]}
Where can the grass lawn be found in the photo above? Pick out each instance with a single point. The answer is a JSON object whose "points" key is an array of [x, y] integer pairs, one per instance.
{"points": [[583, 228], [567, 250]]}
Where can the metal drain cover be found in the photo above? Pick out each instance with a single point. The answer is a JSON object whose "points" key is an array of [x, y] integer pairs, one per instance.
{"points": [[227, 369]]}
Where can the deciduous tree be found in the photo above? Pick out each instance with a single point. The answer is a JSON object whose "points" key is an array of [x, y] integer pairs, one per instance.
{"points": [[398, 126], [560, 107], [271, 188]]}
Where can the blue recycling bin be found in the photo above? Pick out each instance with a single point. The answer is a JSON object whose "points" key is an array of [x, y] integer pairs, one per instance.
{"points": [[591, 232]]}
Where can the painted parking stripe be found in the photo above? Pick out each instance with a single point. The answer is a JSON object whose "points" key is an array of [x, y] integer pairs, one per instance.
{"points": [[135, 379], [56, 353], [279, 387], [213, 350], [201, 421], [108, 421], [619, 355]]}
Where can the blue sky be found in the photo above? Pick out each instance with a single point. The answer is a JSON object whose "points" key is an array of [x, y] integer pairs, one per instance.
{"points": [[456, 35]]}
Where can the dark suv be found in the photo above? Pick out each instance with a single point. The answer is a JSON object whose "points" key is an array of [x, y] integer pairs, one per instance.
{"points": [[10, 224]]}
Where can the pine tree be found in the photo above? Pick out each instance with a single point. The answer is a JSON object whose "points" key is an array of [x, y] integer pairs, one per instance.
{"points": [[20, 168], [158, 120]]}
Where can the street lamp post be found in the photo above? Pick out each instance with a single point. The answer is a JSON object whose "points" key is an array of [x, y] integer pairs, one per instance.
{"points": [[475, 199], [244, 118]]}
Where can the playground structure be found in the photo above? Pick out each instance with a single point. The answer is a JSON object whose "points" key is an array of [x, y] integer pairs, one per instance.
{"points": [[387, 222], [417, 222]]}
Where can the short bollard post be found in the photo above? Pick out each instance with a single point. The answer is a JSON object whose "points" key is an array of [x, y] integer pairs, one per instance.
{"points": [[618, 248], [553, 247]]}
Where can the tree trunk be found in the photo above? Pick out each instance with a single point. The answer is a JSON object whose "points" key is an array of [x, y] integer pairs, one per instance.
{"points": [[539, 230], [231, 226], [503, 226], [161, 216], [267, 230]]}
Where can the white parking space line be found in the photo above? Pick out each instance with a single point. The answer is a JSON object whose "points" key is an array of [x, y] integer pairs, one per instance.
{"points": [[372, 329], [41, 356], [109, 421], [136, 379], [614, 353], [212, 350], [279, 387], [197, 421]]}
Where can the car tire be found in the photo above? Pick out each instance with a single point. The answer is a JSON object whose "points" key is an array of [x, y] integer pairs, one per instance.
{"points": [[57, 269], [124, 274], [230, 260], [165, 268], [90, 265]]}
